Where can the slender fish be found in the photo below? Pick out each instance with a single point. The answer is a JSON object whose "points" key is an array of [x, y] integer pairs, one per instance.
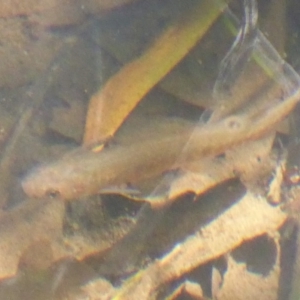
{"points": [[83, 173]]}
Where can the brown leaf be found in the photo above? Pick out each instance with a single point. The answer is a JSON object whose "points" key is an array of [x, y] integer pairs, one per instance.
{"points": [[250, 217], [241, 284], [111, 105]]}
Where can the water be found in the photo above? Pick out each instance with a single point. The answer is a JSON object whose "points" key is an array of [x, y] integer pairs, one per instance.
{"points": [[205, 222]]}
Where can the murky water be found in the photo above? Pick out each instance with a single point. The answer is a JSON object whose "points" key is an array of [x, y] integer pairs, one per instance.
{"points": [[143, 150]]}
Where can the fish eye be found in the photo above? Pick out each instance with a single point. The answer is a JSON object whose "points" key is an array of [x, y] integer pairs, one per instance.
{"points": [[52, 194]]}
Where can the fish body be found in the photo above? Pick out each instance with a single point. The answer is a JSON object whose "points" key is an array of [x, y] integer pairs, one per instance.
{"points": [[83, 173]]}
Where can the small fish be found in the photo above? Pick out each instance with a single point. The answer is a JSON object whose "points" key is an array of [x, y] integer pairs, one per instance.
{"points": [[83, 173]]}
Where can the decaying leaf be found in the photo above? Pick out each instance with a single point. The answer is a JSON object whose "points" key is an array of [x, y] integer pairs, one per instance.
{"points": [[31, 222], [21, 60], [110, 106], [249, 161], [241, 284], [250, 217]]}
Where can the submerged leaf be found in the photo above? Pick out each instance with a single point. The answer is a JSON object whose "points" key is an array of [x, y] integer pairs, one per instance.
{"points": [[250, 217], [111, 105]]}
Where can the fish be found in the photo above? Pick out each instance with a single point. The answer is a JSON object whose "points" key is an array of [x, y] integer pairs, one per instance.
{"points": [[83, 172]]}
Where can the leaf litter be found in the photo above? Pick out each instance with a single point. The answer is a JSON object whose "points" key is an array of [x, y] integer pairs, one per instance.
{"points": [[247, 146]]}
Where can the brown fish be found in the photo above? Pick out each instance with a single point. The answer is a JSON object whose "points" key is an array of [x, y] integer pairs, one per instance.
{"points": [[82, 173]]}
